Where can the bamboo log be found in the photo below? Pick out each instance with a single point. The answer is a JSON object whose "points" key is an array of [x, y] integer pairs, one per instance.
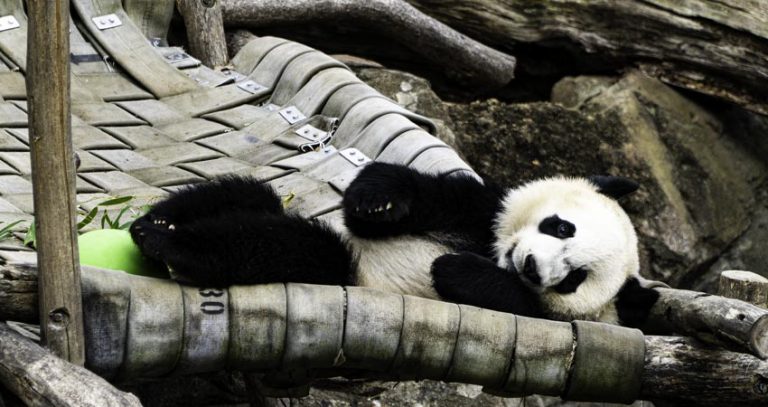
{"points": [[711, 319], [53, 178], [205, 30], [462, 57], [42, 379]]}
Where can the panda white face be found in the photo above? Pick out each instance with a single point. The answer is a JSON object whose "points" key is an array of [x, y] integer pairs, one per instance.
{"points": [[569, 243]]}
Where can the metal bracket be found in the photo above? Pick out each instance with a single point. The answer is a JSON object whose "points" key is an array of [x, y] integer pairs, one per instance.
{"points": [[271, 107], [107, 21], [251, 86], [311, 133], [355, 156], [237, 76], [177, 56], [8, 23], [292, 114]]}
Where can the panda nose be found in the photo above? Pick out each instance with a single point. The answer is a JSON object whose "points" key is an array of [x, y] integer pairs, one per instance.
{"points": [[529, 270]]}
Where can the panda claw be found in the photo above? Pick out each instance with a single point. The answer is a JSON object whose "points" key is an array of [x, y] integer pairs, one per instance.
{"points": [[389, 205], [171, 227]]}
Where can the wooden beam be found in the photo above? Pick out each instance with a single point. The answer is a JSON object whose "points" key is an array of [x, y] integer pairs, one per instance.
{"points": [[463, 59], [205, 30], [53, 178], [40, 379]]}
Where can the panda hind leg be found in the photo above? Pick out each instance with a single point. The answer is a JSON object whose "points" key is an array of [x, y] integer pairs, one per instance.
{"points": [[242, 248], [205, 200]]}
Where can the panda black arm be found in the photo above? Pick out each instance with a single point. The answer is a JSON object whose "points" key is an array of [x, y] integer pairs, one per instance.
{"points": [[467, 278], [634, 303], [390, 200]]}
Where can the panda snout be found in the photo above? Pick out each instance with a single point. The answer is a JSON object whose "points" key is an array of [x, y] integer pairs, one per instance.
{"points": [[530, 271]]}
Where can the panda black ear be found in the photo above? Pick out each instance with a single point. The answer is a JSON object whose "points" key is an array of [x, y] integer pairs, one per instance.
{"points": [[614, 187]]}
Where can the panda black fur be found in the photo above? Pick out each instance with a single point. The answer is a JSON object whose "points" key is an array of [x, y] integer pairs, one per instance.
{"points": [[529, 251]]}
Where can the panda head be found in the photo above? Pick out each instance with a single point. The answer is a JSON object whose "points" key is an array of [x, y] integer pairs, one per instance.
{"points": [[570, 242]]}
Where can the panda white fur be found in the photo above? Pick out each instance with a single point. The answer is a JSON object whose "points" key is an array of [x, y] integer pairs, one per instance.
{"points": [[557, 248]]}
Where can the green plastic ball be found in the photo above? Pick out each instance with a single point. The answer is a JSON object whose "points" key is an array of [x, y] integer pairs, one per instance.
{"points": [[114, 249]]}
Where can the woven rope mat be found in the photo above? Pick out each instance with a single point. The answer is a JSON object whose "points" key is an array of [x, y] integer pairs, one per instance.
{"points": [[148, 119]]}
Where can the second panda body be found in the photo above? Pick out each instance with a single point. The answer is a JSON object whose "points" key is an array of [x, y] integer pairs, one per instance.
{"points": [[450, 238]]}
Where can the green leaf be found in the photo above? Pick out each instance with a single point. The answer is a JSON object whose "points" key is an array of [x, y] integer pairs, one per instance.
{"points": [[30, 239], [116, 223], [88, 218], [287, 199], [106, 221], [116, 201], [5, 232]]}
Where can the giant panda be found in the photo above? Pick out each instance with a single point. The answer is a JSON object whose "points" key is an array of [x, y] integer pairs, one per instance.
{"points": [[559, 248]]}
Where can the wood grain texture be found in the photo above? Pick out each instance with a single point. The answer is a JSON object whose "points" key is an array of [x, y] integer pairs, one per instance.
{"points": [[714, 47], [745, 286], [42, 379], [712, 319], [462, 58], [205, 31], [690, 373], [53, 179]]}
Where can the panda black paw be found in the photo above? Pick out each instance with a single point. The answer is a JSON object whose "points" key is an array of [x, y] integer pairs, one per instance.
{"points": [[150, 232], [381, 193]]}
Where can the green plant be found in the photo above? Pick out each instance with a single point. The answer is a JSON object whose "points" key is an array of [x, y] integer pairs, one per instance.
{"points": [[101, 209], [7, 230]]}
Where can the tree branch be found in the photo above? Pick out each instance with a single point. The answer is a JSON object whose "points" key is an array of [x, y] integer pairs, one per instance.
{"points": [[463, 58], [42, 379]]}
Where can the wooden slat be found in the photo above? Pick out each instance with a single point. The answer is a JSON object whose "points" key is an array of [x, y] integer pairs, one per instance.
{"points": [[298, 72], [250, 54]]}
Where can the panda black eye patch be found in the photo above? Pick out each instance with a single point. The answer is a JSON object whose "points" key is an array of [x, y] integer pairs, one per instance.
{"points": [[556, 227]]}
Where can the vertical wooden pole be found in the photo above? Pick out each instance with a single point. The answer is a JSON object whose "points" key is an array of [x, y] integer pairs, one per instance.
{"points": [[53, 178], [205, 30]]}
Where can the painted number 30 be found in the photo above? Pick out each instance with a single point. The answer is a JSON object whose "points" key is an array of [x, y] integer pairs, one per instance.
{"points": [[211, 306]]}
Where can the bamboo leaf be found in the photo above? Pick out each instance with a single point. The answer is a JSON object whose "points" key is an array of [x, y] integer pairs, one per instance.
{"points": [[29, 238], [105, 220], [88, 218], [116, 222], [287, 199], [116, 201], [5, 232]]}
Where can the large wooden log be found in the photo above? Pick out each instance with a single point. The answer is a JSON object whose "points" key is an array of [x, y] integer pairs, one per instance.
{"points": [[461, 57], [712, 319], [41, 379], [53, 178], [710, 46], [714, 47]]}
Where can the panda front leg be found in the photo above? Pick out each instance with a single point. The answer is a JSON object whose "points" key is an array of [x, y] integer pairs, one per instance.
{"points": [[467, 278], [389, 200]]}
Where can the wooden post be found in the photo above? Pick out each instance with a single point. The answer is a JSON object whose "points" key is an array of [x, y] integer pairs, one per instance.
{"points": [[745, 286], [205, 30], [53, 178]]}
